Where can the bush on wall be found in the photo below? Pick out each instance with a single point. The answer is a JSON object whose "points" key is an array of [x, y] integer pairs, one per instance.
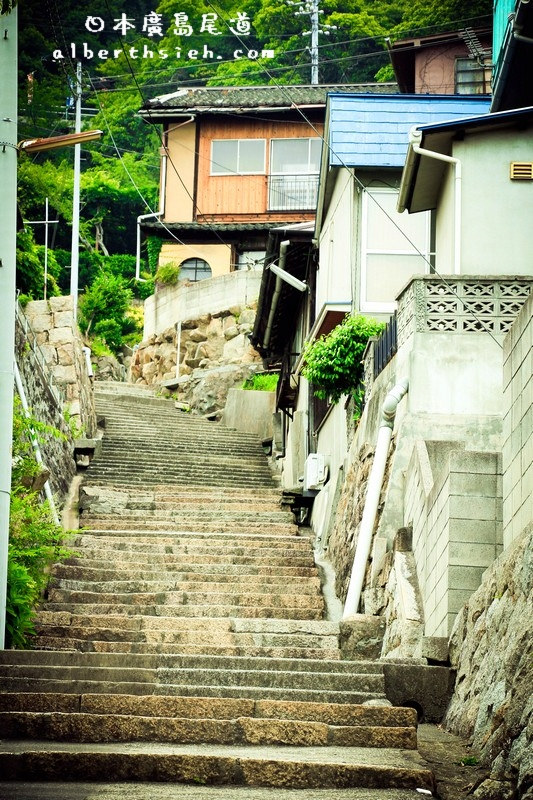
{"points": [[333, 363]]}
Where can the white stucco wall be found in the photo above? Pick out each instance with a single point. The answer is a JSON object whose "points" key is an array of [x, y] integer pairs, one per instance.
{"points": [[336, 245], [495, 235]]}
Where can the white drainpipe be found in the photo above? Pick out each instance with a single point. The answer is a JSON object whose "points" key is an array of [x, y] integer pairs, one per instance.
{"points": [[373, 492], [415, 137], [150, 216]]}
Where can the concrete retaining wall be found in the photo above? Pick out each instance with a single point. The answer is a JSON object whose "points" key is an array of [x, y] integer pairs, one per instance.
{"points": [[250, 412], [171, 304]]}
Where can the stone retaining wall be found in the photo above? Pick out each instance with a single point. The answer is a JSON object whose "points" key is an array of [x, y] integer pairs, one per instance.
{"points": [[215, 355], [491, 648], [58, 336]]}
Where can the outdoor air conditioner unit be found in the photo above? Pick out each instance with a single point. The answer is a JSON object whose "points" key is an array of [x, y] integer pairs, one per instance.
{"points": [[315, 472]]}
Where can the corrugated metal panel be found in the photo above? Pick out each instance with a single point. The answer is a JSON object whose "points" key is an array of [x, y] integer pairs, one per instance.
{"points": [[502, 9], [373, 131]]}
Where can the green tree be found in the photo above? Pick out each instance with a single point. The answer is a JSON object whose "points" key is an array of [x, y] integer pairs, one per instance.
{"points": [[333, 363]]}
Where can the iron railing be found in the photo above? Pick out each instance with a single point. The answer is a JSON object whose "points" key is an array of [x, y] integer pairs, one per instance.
{"points": [[385, 346], [292, 192]]}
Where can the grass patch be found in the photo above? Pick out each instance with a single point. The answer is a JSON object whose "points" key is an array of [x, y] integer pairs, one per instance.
{"points": [[262, 382]]}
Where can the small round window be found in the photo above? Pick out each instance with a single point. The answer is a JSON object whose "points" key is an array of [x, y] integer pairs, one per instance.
{"points": [[194, 269]]}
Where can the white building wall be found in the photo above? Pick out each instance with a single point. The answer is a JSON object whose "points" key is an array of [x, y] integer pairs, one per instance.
{"points": [[336, 248], [495, 235]]}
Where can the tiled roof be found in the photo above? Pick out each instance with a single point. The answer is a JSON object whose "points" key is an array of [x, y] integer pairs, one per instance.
{"points": [[206, 227], [372, 131], [212, 99]]}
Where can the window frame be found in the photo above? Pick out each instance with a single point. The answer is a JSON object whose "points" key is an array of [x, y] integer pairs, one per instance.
{"points": [[196, 259], [213, 164], [386, 307], [307, 139]]}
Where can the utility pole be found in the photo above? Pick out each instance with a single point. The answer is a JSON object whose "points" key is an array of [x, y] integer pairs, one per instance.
{"points": [[75, 253], [309, 8], [8, 247]]}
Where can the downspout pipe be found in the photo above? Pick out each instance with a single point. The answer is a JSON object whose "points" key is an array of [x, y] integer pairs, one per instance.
{"points": [[375, 482], [154, 214], [415, 137], [284, 246]]}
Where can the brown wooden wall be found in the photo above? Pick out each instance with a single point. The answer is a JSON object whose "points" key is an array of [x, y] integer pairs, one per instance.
{"points": [[242, 197]]}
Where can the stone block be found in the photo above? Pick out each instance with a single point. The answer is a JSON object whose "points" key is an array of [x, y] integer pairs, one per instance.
{"points": [[64, 374], [41, 322], [50, 354], [435, 648], [61, 336], [197, 335], [235, 348], [361, 637], [247, 317], [63, 319], [231, 332], [61, 303], [36, 307], [65, 356], [426, 688]]}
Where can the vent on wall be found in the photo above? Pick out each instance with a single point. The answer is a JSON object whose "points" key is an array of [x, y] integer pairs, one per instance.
{"points": [[522, 170]]}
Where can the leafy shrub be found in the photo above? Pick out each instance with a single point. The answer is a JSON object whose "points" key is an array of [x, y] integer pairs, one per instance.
{"points": [[103, 310], [168, 274], [110, 332], [333, 363], [262, 382]]}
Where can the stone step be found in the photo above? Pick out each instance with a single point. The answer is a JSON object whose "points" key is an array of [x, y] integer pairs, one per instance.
{"points": [[129, 477], [161, 706], [198, 470], [162, 491], [199, 648], [167, 563], [169, 513], [37, 658], [274, 766], [188, 678], [207, 539], [173, 555], [191, 523], [88, 580], [162, 599], [179, 542], [109, 727], [191, 589], [170, 612], [214, 626], [167, 791], [39, 684]]}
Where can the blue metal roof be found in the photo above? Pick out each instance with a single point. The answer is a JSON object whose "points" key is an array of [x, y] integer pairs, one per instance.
{"points": [[372, 130]]}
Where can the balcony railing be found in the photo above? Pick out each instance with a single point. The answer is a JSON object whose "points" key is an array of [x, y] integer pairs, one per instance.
{"points": [[452, 304], [292, 192]]}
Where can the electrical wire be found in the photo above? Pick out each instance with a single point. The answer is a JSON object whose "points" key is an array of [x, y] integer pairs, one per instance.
{"points": [[363, 188]]}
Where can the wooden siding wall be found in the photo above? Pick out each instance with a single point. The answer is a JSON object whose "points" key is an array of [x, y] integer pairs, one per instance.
{"points": [[229, 198]]}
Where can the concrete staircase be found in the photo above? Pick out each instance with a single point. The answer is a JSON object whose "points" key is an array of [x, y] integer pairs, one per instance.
{"points": [[187, 639]]}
